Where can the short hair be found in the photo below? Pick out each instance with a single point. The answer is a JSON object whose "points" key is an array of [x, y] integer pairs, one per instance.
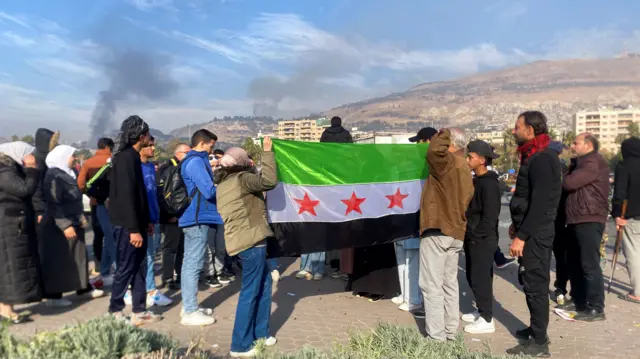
{"points": [[593, 141], [202, 135], [175, 150], [458, 138], [336, 121], [105, 142], [537, 120], [152, 139], [218, 151]]}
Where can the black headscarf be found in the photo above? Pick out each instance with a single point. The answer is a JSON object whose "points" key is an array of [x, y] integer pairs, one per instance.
{"points": [[130, 131]]}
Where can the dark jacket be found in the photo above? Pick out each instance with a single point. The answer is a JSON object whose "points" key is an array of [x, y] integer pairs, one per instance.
{"points": [[19, 263], [127, 193], [64, 262], [197, 175], [627, 180], [483, 213], [534, 204], [242, 204], [336, 134], [161, 176], [45, 141], [587, 185]]}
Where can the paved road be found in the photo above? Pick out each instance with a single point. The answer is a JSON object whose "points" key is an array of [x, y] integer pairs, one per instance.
{"points": [[319, 313]]}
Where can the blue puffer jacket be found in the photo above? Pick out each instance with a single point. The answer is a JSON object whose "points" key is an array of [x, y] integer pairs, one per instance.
{"points": [[196, 172]]}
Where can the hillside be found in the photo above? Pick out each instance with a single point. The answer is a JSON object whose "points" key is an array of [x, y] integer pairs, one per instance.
{"points": [[558, 88], [233, 130]]}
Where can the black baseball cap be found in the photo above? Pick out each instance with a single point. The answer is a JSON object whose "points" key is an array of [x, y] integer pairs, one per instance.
{"points": [[482, 148], [424, 134]]}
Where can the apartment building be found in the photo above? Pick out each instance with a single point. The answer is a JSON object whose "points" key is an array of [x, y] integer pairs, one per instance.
{"points": [[606, 124], [495, 138], [302, 130]]}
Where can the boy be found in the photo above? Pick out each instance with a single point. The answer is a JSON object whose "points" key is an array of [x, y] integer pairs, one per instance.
{"points": [[481, 237]]}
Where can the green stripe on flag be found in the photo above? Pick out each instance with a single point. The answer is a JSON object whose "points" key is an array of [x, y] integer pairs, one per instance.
{"points": [[325, 164]]}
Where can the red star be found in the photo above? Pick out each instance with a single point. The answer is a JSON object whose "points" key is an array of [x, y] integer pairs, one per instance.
{"points": [[353, 203], [396, 199], [307, 205]]}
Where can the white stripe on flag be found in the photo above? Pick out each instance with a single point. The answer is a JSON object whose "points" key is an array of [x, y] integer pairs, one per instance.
{"points": [[340, 203]]}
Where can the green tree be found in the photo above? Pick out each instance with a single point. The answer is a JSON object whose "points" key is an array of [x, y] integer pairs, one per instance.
{"points": [[508, 157], [568, 137], [253, 149], [28, 139], [634, 130], [553, 134]]}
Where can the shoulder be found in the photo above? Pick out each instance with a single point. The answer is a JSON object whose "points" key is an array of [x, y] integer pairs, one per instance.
{"points": [[6, 162]]}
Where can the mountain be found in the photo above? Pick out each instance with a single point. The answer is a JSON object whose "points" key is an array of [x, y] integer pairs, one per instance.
{"points": [[231, 130], [558, 88]]}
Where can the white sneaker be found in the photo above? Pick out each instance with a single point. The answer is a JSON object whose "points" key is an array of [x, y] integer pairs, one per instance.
{"points": [[96, 293], [470, 317], [205, 311], [303, 274], [107, 280], [197, 318], [406, 307], [157, 298], [480, 326], [59, 303], [271, 341], [275, 275], [397, 300], [250, 354], [128, 300], [318, 276]]}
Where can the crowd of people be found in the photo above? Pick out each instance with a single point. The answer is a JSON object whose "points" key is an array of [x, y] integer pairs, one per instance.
{"points": [[208, 206]]}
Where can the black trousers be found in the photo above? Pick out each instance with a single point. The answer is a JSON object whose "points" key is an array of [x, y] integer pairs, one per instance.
{"points": [[587, 281], [131, 270], [479, 262], [560, 253], [98, 236], [535, 265], [172, 251]]}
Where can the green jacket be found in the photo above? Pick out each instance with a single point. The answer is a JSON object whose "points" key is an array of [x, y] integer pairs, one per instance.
{"points": [[242, 206]]}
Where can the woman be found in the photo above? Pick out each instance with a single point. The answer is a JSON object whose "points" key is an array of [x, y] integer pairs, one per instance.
{"points": [[19, 263], [61, 233], [242, 207]]}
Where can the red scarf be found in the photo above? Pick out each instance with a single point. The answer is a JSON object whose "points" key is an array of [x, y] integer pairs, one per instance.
{"points": [[539, 143]]}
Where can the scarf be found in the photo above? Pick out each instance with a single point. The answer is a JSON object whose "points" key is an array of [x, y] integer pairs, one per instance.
{"points": [[130, 131], [235, 157], [537, 144], [16, 150], [59, 158]]}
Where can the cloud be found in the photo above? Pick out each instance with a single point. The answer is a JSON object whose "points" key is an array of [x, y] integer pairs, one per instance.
{"points": [[595, 42], [148, 5], [10, 38], [63, 68], [506, 11], [4, 17]]}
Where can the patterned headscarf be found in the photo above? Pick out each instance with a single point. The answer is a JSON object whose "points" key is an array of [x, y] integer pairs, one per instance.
{"points": [[130, 131]]}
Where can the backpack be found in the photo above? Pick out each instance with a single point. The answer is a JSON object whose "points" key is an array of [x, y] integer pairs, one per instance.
{"points": [[172, 192], [98, 186]]}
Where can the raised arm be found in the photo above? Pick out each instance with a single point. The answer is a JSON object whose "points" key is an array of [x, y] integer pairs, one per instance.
{"points": [[439, 158], [267, 181]]}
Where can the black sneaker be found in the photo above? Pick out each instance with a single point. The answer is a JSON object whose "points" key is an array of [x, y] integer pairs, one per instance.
{"points": [[419, 314], [524, 334], [213, 282], [590, 316], [224, 279], [507, 262], [531, 349]]}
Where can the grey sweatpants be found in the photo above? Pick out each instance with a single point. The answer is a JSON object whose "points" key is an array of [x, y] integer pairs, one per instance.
{"points": [[631, 247], [439, 284]]}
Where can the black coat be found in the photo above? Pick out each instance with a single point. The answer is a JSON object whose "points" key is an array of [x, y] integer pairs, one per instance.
{"points": [[19, 263], [45, 141], [336, 134]]}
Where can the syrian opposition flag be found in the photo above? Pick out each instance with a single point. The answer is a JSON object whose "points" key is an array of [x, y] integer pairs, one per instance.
{"points": [[334, 196]]}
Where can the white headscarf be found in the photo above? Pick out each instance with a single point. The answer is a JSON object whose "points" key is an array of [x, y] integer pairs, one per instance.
{"points": [[59, 158], [16, 150]]}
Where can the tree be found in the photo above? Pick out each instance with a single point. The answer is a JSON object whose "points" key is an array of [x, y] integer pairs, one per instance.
{"points": [[253, 149], [568, 137], [28, 139], [634, 130], [553, 134], [15, 138], [508, 156]]}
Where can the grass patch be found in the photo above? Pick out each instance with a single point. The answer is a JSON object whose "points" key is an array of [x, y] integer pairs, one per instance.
{"points": [[107, 338]]}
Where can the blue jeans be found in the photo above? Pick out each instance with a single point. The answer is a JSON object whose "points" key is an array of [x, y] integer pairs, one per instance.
{"points": [[157, 237], [272, 264], [313, 262], [217, 252], [409, 274], [254, 305], [195, 242], [151, 256], [109, 243]]}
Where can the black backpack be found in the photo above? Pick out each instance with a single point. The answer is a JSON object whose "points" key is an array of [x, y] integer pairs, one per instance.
{"points": [[98, 186], [172, 192]]}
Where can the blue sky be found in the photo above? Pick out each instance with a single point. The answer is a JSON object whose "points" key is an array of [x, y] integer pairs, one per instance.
{"points": [[221, 57]]}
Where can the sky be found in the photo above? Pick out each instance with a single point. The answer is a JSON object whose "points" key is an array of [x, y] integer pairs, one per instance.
{"points": [[78, 65]]}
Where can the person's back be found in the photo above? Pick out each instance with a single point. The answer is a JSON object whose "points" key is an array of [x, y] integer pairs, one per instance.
{"points": [[128, 203], [45, 141], [198, 179], [336, 133]]}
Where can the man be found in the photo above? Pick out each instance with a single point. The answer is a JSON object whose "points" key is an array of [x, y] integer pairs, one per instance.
{"points": [[560, 238], [627, 187], [129, 216], [173, 246], [336, 133], [445, 198], [199, 219], [533, 211], [98, 192], [45, 141], [481, 237], [587, 204], [424, 135]]}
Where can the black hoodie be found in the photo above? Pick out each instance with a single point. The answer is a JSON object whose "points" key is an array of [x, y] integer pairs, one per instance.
{"points": [[627, 180], [483, 212], [337, 134], [45, 141]]}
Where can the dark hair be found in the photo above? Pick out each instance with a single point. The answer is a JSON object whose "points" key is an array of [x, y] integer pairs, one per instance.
{"points": [[105, 142], [202, 135], [218, 151], [336, 121], [537, 120], [152, 139], [593, 140]]}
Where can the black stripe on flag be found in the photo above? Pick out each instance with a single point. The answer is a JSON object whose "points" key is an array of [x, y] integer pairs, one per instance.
{"points": [[295, 238]]}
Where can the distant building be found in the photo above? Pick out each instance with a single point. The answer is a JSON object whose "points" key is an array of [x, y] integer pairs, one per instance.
{"points": [[302, 130], [260, 135], [495, 138], [384, 138], [606, 124]]}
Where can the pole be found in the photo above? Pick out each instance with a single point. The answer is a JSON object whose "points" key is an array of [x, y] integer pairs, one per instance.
{"points": [[616, 250]]}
